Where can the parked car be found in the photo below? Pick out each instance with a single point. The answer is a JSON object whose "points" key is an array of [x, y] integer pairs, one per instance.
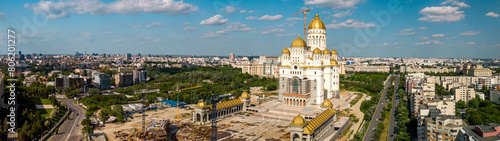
{"points": [[374, 128]]}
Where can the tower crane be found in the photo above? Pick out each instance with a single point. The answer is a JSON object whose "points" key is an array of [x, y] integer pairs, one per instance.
{"points": [[305, 13]]}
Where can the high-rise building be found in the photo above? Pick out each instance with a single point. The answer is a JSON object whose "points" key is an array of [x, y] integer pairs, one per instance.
{"points": [[124, 79], [21, 56], [102, 81], [464, 93], [442, 127], [140, 75], [309, 72], [129, 56], [231, 56]]}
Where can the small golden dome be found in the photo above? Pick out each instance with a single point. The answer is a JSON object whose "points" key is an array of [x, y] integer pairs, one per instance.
{"points": [[298, 121], [334, 62], [299, 42], [244, 95], [334, 52], [316, 23], [285, 51], [326, 51], [327, 103], [316, 51], [201, 104]]}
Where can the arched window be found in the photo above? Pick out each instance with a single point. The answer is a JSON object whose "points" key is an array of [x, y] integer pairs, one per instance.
{"points": [[295, 85]]}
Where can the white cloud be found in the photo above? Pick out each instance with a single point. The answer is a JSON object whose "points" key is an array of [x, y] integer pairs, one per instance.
{"points": [[2, 15], [155, 24], [424, 37], [406, 33], [386, 44], [210, 35], [246, 11], [407, 30], [455, 2], [438, 35], [231, 9], [61, 9], [429, 42], [397, 47], [273, 30], [396, 43], [490, 14], [334, 4], [214, 21], [190, 28], [231, 27], [422, 28], [441, 14], [471, 43], [237, 26], [286, 34], [350, 23], [342, 14], [469, 33], [294, 19], [270, 18], [251, 18]]}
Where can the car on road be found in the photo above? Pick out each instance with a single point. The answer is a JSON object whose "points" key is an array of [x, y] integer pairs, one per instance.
{"points": [[374, 128], [392, 135]]}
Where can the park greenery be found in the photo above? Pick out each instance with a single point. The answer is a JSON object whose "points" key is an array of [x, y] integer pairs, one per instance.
{"points": [[32, 123], [403, 126], [213, 80], [480, 111], [368, 83]]}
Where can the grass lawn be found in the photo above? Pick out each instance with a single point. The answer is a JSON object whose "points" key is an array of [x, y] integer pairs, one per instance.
{"points": [[39, 101], [44, 112], [384, 135]]}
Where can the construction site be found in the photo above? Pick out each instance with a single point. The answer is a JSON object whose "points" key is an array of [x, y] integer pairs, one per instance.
{"points": [[267, 120]]}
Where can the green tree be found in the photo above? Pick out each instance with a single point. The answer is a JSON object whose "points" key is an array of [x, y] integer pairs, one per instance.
{"points": [[461, 104], [474, 103], [94, 92]]}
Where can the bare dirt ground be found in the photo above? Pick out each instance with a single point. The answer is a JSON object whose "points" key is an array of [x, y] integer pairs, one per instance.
{"points": [[355, 110]]}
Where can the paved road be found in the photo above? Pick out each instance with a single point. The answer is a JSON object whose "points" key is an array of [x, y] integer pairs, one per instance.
{"points": [[68, 131], [393, 123], [377, 115]]}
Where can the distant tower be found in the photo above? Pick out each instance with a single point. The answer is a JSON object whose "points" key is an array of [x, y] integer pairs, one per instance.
{"points": [[129, 56], [231, 56]]}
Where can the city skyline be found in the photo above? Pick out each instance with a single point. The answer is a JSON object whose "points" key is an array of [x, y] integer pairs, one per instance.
{"points": [[437, 29]]}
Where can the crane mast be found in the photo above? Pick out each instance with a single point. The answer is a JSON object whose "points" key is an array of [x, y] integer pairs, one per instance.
{"points": [[305, 28]]}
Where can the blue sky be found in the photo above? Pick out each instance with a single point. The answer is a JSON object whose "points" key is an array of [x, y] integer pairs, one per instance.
{"points": [[438, 28]]}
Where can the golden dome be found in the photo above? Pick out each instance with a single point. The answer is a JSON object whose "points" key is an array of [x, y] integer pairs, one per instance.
{"points": [[326, 51], [245, 94], [299, 42], [316, 23], [334, 62], [285, 51], [327, 103], [334, 52], [316, 51], [298, 121], [201, 104]]}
